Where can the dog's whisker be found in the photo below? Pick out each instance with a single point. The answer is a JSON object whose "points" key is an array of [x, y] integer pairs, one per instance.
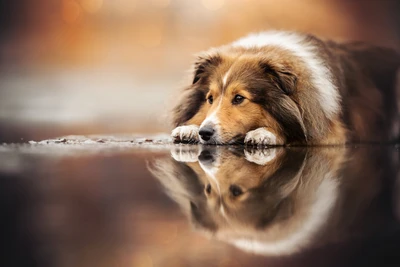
{"points": [[215, 141]]}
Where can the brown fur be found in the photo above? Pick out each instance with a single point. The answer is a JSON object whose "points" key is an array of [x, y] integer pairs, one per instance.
{"points": [[279, 94]]}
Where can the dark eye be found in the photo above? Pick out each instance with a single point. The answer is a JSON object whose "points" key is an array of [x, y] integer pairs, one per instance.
{"points": [[210, 99], [235, 190], [237, 99], [208, 189]]}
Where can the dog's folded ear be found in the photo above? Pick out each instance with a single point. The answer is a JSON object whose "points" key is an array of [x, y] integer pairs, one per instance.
{"points": [[283, 77], [201, 218], [204, 64], [287, 81], [195, 94]]}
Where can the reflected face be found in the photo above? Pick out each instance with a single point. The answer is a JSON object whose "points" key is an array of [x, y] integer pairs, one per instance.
{"points": [[231, 181]]}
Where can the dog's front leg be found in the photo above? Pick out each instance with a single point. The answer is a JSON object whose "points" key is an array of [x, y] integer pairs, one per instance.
{"points": [[186, 134], [262, 137], [185, 154]]}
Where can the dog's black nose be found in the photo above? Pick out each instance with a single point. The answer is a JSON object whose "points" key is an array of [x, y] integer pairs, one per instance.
{"points": [[206, 132], [206, 157]]}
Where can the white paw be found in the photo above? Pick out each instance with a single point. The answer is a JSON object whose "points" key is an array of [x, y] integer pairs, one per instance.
{"points": [[188, 133], [260, 156], [185, 154], [260, 137]]}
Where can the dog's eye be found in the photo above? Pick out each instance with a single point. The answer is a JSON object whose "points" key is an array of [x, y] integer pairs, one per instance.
{"points": [[235, 190], [208, 188], [210, 99], [237, 99]]}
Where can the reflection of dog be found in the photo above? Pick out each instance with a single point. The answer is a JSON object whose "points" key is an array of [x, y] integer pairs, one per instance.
{"points": [[271, 206], [285, 88]]}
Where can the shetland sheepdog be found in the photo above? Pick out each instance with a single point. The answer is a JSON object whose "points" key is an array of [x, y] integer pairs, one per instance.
{"points": [[286, 88]]}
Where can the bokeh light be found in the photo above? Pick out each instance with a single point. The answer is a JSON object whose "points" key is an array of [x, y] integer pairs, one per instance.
{"points": [[91, 6], [124, 7], [161, 3], [150, 35], [70, 11], [142, 259], [213, 4]]}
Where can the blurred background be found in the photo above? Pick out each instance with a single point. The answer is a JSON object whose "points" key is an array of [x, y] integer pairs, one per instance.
{"points": [[116, 66]]}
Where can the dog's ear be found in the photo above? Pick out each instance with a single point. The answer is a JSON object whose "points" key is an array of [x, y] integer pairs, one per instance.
{"points": [[283, 77], [281, 211], [203, 66], [201, 217]]}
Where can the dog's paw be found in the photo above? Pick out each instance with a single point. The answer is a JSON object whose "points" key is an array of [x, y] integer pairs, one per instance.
{"points": [[185, 154], [186, 134], [260, 156], [260, 137]]}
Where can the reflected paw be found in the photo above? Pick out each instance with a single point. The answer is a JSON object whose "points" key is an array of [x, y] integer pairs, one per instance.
{"points": [[260, 156], [186, 134], [185, 153]]}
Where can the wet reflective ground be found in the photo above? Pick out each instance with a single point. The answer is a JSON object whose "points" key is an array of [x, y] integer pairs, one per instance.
{"points": [[96, 204]]}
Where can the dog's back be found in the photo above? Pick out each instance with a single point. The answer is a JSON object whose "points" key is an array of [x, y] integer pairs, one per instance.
{"points": [[370, 90]]}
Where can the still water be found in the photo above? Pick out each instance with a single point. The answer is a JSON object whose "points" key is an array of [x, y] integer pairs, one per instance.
{"points": [[181, 205]]}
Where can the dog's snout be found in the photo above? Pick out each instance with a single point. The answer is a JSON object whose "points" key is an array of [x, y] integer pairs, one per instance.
{"points": [[206, 132], [206, 157]]}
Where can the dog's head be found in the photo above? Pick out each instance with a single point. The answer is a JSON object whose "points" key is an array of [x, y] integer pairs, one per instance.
{"points": [[236, 89], [245, 93]]}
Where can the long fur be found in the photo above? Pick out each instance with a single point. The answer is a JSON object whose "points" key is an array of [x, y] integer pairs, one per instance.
{"points": [[312, 91]]}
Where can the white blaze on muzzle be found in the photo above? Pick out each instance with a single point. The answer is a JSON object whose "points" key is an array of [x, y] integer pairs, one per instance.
{"points": [[213, 120]]}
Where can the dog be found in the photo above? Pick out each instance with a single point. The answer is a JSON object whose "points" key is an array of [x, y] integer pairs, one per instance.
{"points": [[287, 88]]}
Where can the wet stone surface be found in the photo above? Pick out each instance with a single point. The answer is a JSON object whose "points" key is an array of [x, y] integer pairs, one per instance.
{"points": [[140, 201]]}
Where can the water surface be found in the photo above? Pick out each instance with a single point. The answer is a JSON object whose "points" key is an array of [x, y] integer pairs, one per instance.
{"points": [[96, 204]]}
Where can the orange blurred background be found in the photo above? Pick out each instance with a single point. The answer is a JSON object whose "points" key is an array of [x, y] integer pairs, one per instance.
{"points": [[116, 66]]}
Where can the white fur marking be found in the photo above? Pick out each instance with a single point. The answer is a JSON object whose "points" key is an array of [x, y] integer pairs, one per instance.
{"points": [[260, 136], [211, 169], [211, 172], [225, 77], [325, 198], [260, 156], [320, 74], [185, 155], [186, 133], [222, 210], [213, 119]]}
